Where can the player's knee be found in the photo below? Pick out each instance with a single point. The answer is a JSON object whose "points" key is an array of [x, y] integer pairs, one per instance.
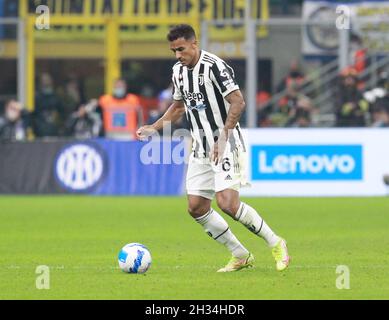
{"points": [[227, 206], [197, 210]]}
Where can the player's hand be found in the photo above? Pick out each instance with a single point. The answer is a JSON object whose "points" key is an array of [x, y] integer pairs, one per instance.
{"points": [[218, 149], [144, 132]]}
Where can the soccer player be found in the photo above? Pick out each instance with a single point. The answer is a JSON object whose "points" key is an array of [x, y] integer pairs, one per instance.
{"points": [[205, 89]]}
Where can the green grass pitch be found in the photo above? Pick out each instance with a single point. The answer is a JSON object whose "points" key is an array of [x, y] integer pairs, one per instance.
{"points": [[79, 239]]}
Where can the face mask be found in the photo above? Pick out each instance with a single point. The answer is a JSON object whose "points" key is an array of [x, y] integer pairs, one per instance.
{"points": [[119, 92], [12, 115]]}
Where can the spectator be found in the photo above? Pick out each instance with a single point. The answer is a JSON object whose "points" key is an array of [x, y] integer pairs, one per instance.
{"points": [[301, 119], [295, 75], [263, 109], [85, 123], [380, 90], [148, 102], [358, 58], [357, 54], [380, 113], [71, 97], [122, 112], [292, 105], [165, 99], [49, 113], [14, 123], [351, 108]]}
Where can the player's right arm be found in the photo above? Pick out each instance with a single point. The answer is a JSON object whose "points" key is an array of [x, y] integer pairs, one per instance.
{"points": [[175, 111]]}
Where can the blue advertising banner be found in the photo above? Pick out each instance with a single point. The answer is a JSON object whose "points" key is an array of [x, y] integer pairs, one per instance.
{"points": [[306, 162], [317, 162], [108, 167], [96, 167]]}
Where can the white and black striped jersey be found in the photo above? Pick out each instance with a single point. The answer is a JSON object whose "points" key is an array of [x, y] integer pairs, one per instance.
{"points": [[203, 89]]}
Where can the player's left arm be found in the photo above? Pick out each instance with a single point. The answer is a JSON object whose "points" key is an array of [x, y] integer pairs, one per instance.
{"points": [[237, 106], [223, 77]]}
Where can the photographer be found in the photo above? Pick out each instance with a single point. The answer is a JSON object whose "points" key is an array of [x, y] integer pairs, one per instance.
{"points": [[14, 122], [85, 123], [351, 108]]}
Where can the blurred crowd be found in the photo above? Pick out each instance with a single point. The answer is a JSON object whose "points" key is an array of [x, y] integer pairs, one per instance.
{"points": [[293, 109], [66, 113], [353, 105]]}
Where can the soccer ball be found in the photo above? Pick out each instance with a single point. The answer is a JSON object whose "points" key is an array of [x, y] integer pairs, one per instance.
{"points": [[134, 258]]}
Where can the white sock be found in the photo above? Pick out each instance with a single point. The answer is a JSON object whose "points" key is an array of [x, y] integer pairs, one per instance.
{"points": [[253, 221], [216, 227]]}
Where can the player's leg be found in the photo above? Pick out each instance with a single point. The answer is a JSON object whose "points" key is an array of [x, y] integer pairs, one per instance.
{"points": [[229, 202], [227, 184], [214, 224], [200, 189]]}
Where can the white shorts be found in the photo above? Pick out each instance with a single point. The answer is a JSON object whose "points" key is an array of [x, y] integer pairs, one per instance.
{"points": [[205, 179]]}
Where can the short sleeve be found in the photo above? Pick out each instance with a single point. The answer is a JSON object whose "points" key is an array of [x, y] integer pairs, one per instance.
{"points": [[176, 90], [223, 75]]}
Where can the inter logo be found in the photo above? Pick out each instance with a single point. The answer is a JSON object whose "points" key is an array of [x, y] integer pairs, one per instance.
{"points": [[79, 167]]}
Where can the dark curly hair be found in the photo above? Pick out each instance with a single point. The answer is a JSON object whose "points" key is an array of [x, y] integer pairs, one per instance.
{"points": [[181, 31]]}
